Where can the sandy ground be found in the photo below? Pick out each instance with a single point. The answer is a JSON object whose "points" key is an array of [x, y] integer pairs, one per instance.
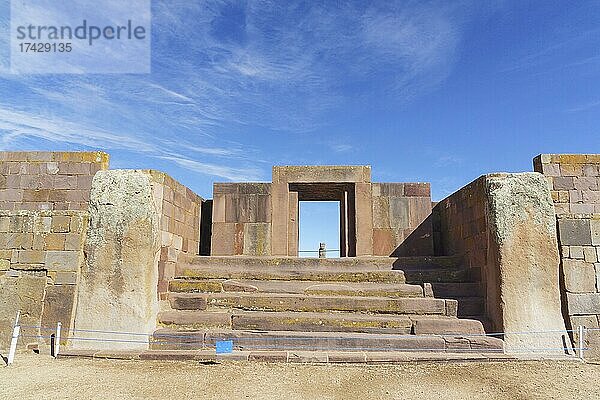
{"points": [[41, 377]]}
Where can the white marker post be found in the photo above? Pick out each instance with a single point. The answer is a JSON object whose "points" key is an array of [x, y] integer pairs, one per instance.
{"points": [[580, 329], [57, 340], [15, 338]]}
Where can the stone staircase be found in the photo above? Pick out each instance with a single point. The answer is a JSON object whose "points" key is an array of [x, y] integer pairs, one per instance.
{"points": [[350, 304]]}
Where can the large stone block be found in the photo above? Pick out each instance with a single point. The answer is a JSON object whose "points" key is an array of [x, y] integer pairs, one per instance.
{"points": [[384, 242], [327, 173], [580, 277], [223, 237], [257, 239], [522, 274], [583, 303], [279, 218], [118, 286], [22, 292], [381, 212], [58, 307], [574, 232], [364, 219], [62, 260], [399, 212], [595, 231]]}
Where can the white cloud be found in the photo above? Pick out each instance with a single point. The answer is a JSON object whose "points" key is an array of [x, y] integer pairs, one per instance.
{"points": [[285, 69]]}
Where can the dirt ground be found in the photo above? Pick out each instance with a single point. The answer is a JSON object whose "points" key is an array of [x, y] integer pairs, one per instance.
{"points": [[41, 377]]}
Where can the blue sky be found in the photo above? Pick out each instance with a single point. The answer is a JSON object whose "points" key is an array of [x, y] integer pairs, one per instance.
{"points": [[440, 92]]}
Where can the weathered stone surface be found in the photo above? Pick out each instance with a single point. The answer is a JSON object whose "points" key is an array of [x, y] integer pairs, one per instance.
{"points": [[295, 302], [321, 322], [332, 173], [257, 239], [58, 307], [574, 232], [447, 326], [364, 219], [595, 231], [583, 303], [118, 287], [580, 277], [195, 319], [223, 237], [589, 254], [25, 293], [326, 340], [523, 272], [188, 302], [523, 292], [297, 286], [268, 356], [62, 260]]}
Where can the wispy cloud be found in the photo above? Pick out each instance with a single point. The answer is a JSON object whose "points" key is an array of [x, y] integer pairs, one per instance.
{"points": [[584, 107], [559, 53], [341, 147], [221, 69], [234, 174]]}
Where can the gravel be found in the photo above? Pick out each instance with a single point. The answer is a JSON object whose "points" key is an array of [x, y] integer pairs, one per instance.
{"points": [[41, 377]]}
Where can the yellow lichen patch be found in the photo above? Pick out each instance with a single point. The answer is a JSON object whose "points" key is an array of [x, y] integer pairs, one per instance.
{"points": [[195, 286]]}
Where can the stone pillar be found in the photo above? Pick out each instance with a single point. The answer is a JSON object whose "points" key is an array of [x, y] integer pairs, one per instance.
{"points": [[522, 275], [293, 225], [364, 219], [118, 286], [279, 219]]}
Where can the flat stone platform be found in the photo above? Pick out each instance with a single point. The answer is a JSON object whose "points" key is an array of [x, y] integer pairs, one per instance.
{"points": [[318, 357]]}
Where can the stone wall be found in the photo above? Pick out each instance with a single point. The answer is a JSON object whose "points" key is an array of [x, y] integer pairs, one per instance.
{"points": [[383, 218], [48, 180], [505, 224], [179, 211], [241, 219], [579, 236], [574, 180], [460, 224], [41, 253], [401, 223]]}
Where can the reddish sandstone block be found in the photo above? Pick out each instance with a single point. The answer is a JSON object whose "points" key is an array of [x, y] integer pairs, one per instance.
{"points": [[383, 242], [417, 189], [65, 182]]}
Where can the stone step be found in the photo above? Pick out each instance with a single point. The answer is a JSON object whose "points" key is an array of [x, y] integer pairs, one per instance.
{"points": [[300, 287], [295, 356], [169, 339], [385, 263], [316, 303], [354, 274], [292, 273], [319, 322], [419, 276]]}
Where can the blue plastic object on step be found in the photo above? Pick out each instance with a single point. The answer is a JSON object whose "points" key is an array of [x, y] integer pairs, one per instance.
{"points": [[224, 346]]}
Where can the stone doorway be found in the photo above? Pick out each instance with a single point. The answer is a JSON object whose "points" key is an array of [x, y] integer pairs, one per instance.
{"points": [[343, 193]]}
